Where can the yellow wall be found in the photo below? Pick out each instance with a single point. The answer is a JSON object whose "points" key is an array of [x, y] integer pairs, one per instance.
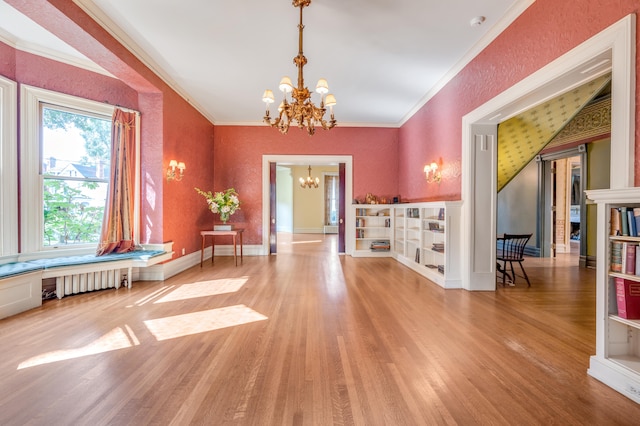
{"points": [[308, 203]]}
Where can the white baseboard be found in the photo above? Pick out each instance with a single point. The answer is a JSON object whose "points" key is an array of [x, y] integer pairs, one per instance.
{"points": [[308, 231], [169, 269]]}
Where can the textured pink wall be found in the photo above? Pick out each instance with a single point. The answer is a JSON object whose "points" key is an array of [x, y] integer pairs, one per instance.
{"points": [[545, 31], [238, 152], [169, 123]]}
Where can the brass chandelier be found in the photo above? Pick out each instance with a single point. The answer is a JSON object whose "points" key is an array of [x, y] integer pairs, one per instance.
{"points": [[300, 111], [309, 182]]}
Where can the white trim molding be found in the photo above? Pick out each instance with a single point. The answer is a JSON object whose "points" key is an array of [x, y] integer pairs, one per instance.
{"points": [[8, 167], [307, 160]]}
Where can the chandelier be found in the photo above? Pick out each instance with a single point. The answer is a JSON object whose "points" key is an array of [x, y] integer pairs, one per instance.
{"points": [[300, 111], [309, 182]]}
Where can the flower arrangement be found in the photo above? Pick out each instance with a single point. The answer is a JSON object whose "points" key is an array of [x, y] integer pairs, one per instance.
{"points": [[225, 202]]}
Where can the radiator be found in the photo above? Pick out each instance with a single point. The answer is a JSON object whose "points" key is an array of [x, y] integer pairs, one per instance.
{"points": [[330, 229], [89, 281]]}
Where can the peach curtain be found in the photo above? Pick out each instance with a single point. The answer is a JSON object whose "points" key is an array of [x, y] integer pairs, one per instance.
{"points": [[117, 224]]}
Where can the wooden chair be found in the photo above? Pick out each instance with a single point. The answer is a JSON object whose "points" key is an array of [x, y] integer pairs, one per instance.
{"points": [[512, 251]]}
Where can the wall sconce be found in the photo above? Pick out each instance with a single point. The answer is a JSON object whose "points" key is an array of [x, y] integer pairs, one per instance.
{"points": [[431, 173], [171, 171]]}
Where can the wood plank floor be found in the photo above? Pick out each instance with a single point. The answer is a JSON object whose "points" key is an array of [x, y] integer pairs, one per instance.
{"points": [[308, 337]]}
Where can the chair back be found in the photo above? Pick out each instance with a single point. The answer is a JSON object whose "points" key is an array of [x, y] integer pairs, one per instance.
{"points": [[513, 246]]}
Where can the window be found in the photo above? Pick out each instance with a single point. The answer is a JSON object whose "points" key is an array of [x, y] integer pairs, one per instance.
{"points": [[75, 174], [8, 168], [331, 199], [65, 168]]}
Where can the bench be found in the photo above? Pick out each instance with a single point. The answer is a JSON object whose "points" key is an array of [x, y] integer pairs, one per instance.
{"points": [[21, 282]]}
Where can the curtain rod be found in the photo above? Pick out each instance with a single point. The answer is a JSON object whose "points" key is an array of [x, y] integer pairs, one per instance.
{"points": [[125, 109]]}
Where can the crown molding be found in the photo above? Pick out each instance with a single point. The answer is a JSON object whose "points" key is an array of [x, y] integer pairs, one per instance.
{"points": [[121, 36], [39, 50]]}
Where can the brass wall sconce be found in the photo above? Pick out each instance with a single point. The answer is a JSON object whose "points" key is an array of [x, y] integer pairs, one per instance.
{"points": [[431, 173], [171, 171]]}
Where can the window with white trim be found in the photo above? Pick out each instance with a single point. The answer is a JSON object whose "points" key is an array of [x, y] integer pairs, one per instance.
{"points": [[65, 171]]}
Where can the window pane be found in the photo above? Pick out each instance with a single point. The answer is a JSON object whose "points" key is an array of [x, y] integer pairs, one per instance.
{"points": [[75, 166], [73, 211]]}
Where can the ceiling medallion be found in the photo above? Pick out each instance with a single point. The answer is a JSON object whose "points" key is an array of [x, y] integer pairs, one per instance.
{"points": [[300, 111]]}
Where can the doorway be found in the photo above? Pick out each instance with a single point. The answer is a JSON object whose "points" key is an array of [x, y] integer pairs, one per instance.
{"points": [[611, 50], [563, 216], [269, 204], [307, 205]]}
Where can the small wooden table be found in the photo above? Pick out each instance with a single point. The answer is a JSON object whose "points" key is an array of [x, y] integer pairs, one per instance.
{"points": [[214, 234]]}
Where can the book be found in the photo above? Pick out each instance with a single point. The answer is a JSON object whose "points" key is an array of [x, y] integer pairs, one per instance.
{"points": [[632, 223], [630, 264], [627, 298], [616, 226], [636, 217], [616, 256], [623, 221]]}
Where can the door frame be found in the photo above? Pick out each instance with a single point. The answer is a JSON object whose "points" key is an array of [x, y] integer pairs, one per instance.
{"points": [[310, 160], [546, 225], [611, 50]]}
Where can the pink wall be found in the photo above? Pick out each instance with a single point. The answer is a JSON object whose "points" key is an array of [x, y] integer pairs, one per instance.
{"points": [[545, 31], [169, 123], [238, 152]]}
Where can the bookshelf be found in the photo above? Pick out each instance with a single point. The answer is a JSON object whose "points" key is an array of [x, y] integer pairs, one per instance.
{"points": [[412, 234], [432, 241], [617, 359], [372, 230], [423, 236]]}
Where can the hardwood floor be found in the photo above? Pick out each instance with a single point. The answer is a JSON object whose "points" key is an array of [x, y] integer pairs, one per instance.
{"points": [[310, 337]]}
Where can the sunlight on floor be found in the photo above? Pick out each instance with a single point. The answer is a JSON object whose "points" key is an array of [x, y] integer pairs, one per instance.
{"points": [[306, 242], [199, 322], [204, 288], [113, 340]]}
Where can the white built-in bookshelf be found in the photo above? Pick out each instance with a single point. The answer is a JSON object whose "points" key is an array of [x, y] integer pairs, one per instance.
{"points": [[423, 236], [617, 359], [372, 230]]}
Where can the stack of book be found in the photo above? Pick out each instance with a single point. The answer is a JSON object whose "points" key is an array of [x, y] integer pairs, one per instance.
{"points": [[435, 227], [439, 247], [381, 245]]}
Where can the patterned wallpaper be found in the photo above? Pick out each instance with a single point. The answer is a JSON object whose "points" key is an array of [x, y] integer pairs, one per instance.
{"points": [[522, 137]]}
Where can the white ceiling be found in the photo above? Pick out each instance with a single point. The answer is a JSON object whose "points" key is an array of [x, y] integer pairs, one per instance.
{"points": [[382, 58]]}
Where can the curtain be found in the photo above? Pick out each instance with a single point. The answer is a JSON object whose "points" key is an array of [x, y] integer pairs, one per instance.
{"points": [[330, 200], [117, 225]]}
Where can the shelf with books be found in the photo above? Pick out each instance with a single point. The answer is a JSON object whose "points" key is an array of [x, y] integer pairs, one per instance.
{"points": [[412, 235], [617, 359], [429, 227], [372, 229]]}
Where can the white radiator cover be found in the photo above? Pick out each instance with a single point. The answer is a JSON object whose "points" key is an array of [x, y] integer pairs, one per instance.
{"points": [[89, 281]]}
